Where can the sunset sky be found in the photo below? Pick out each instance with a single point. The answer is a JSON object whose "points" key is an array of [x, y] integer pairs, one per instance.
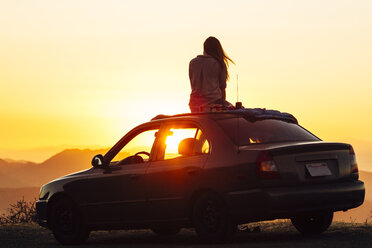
{"points": [[80, 74]]}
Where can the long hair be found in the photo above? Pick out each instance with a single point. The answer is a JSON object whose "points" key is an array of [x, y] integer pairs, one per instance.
{"points": [[212, 47]]}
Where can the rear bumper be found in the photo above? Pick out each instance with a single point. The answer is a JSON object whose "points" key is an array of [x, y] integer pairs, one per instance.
{"points": [[273, 203], [41, 211]]}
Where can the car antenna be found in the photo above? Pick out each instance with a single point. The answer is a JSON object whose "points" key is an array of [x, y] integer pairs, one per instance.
{"points": [[238, 105], [237, 87]]}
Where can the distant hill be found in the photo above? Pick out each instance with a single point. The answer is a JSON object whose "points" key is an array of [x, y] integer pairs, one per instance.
{"points": [[11, 196], [21, 174], [366, 177]]}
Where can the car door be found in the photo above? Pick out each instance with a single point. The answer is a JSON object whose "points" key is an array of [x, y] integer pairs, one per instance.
{"points": [[119, 194], [174, 173]]}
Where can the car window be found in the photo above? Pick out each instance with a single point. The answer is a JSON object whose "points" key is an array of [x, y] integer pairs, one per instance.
{"points": [[142, 142], [184, 142], [244, 132]]}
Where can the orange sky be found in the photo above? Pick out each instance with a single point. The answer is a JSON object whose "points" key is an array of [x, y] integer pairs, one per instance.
{"points": [[82, 73]]}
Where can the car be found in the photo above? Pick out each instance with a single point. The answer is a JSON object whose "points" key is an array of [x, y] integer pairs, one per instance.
{"points": [[210, 171]]}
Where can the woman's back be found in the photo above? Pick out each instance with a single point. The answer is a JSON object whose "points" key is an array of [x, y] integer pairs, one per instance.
{"points": [[206, 78]]}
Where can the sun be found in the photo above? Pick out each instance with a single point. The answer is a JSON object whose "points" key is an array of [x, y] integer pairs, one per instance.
{"points": [[173, 141], [177, 135]]}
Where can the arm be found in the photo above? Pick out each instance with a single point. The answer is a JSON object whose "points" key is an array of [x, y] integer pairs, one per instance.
{"points": [[223, 84], [223, 91]]}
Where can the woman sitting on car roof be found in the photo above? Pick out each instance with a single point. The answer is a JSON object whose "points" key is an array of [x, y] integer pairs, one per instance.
{"points": [[208, 74]]}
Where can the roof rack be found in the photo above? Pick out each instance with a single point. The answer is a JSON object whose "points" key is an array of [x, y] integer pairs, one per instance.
{"points": [[161, 116], [253, 114]]}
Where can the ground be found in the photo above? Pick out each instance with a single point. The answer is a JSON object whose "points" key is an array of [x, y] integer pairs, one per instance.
{"points": [[271, 235]]}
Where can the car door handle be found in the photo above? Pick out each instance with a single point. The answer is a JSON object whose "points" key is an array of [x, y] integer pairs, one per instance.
{"points": [[134, 177]]}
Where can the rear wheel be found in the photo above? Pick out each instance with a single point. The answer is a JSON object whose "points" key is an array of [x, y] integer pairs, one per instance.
{"points": [[67, 224], [312, 224], [211, 219]]}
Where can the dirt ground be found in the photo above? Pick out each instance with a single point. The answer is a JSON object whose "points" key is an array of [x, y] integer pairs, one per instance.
{"points": [[271, 234]]}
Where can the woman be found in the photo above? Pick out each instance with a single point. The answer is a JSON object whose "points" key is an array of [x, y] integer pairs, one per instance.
{"points": [[208, 74]]}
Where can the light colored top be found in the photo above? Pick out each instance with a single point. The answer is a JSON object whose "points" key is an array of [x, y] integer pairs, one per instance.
{"points": [[207, 79]]}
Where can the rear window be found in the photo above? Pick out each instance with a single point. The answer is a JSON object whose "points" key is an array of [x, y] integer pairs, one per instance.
{"points": [[244, 132]]}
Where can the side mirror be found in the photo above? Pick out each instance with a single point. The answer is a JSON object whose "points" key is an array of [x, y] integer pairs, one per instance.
{"points": [[97, 161]]}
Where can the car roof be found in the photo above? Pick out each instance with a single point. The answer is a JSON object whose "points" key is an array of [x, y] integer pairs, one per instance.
{"points": [[251, 114]]}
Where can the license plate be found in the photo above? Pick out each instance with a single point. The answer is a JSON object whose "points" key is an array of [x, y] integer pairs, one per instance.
{"points": [[318, 169]]}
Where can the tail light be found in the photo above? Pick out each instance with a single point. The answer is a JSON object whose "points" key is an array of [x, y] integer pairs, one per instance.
{"points": [[353, 162], [266, 167]]}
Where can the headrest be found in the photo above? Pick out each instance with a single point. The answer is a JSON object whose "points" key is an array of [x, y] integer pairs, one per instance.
{"points": [[186, 147]]}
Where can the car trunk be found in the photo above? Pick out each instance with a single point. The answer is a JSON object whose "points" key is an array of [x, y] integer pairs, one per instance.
{"points": [[311, 162]]}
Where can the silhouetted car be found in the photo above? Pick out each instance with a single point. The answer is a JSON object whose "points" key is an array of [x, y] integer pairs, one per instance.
{"points": [[211, 171]]}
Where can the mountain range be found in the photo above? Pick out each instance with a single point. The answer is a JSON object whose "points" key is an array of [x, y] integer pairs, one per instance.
{"points": [[20, 174]]}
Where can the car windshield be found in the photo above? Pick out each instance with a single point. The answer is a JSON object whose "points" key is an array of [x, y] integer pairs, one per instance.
{"points": [[244, 132]]}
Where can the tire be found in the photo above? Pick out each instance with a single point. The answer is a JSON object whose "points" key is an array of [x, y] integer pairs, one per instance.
{"points": [[67, 224], [211, 219], [166, 231], [312, 224]]}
